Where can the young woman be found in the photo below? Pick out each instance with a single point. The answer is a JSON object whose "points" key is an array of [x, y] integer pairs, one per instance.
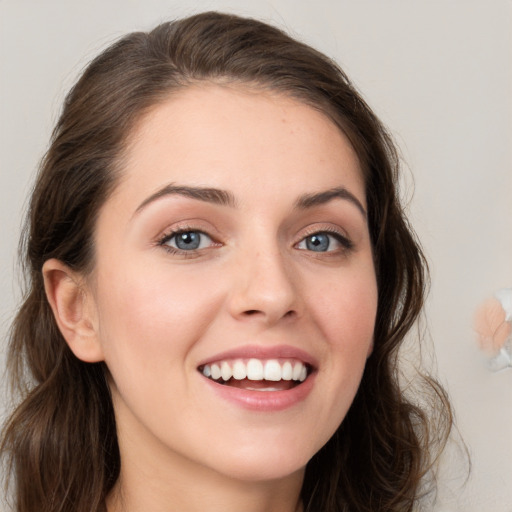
{"points": [[220, 276]]}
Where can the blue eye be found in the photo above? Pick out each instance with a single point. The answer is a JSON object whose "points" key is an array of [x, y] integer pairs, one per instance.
{"points": [[324, 242], [318, 243], [187, 240]]}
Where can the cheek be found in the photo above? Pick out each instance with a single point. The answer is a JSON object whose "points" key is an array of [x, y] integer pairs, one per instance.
{"points": [[346, 312], [150, 314]]}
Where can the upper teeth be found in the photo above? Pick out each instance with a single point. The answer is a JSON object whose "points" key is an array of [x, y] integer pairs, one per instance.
{"points": [[255, 369]]}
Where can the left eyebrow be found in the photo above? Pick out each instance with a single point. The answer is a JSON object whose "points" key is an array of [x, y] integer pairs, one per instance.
{"points": [[208, 195], [319, 198]]}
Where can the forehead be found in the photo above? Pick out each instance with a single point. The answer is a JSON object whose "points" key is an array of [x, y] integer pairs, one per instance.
{"points": [[221, 136]]}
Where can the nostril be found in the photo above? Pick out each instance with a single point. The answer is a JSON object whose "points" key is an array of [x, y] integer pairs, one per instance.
{"points": [[252, 312]]}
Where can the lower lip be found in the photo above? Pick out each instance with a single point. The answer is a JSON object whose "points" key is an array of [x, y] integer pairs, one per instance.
{"points": [[263, 400]]}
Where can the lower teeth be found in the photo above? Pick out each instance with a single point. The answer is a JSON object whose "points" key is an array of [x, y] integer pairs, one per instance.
{"points": [[259, 385]]}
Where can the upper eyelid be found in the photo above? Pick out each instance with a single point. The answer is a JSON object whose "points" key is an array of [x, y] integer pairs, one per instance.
{"points": [[173, 233], [345, 241], [340, 234], [162, 243], [188, 225], [219, 236], [319, 227]]}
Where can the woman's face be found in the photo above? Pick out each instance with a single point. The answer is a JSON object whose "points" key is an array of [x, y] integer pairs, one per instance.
{"points": [[236, 242]]}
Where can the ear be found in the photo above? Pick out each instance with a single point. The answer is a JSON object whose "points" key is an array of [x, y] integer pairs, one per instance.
{"points": [[74, 310]]}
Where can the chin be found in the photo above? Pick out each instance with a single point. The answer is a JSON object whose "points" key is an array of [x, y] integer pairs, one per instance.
{"points": [[259, 471], [255, 463]]}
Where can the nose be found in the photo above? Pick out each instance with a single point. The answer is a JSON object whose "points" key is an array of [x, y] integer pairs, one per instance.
{"points": [[265, 288]]}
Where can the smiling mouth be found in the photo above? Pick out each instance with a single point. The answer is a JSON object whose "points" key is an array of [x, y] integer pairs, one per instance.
{"points": [[258, 375]]}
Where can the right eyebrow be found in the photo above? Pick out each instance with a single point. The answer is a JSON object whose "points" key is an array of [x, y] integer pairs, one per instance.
{"points": [[319, 198], [206, 194]]}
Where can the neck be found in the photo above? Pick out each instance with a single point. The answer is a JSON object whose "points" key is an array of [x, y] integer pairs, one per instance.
{"points": [[154, 478], [171, 492]]}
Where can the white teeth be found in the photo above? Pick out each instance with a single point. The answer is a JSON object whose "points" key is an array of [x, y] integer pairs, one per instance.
{"points": [[272, 371], [287, 371], [255, 369], [297, 371], [225, 371], [239, 370], [216, 374], [258, 388]]}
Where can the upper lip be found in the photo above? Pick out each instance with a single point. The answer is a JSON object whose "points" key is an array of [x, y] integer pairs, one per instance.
{"points": [[262, 352]]}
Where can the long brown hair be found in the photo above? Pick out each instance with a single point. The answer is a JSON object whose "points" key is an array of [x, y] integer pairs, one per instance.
{"points": [[60, 445]]}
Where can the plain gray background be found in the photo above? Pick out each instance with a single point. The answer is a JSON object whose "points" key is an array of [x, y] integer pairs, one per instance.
{"points": [[439, 74]]}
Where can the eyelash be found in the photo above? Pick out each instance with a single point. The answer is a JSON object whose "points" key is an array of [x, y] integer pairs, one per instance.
{"points": [[346, 243], [163, 241]]}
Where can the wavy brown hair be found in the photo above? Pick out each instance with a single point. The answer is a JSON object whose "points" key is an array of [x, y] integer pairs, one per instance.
{"points": [[59, 445]]}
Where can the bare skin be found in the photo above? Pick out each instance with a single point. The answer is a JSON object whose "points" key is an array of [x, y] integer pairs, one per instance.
{"points": [[281, 270]]}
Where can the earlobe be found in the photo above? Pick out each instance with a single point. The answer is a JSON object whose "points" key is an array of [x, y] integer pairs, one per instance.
{"points": [[72, 306]]}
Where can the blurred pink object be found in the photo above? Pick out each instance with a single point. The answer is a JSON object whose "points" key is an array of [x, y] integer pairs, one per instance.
{"points": [[493, 325]]}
